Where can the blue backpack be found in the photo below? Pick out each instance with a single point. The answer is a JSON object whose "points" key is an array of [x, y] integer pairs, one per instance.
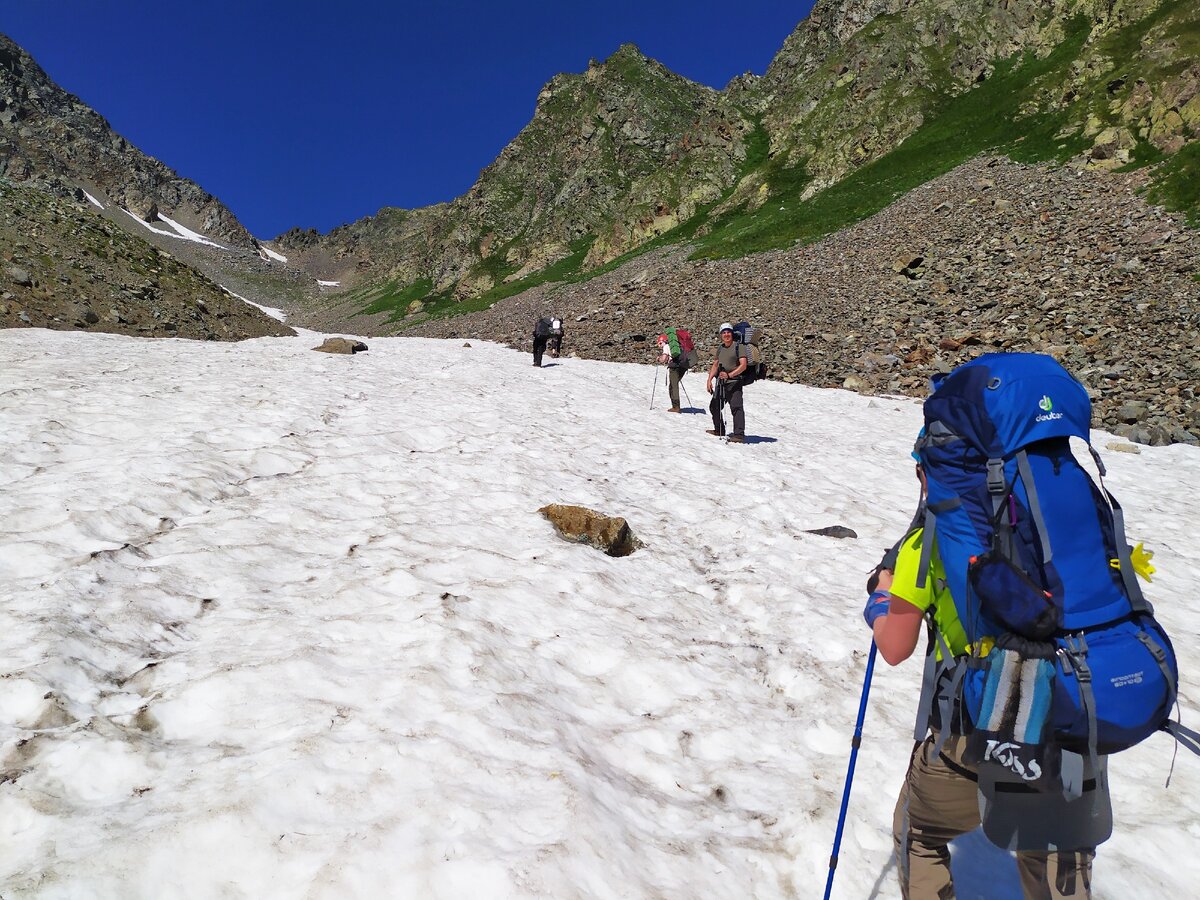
{"points": [[1066, 661]]}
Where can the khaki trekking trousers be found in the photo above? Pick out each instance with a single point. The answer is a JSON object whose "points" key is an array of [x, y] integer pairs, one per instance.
{"points": [[936, 805], [674, 376]]}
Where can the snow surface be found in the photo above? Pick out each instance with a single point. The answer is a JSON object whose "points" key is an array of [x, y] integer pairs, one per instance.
{"points": [[328, 283], [96, 203], [278, 314], [188, 235], [278, 257], [283, 624], [178, 232]]}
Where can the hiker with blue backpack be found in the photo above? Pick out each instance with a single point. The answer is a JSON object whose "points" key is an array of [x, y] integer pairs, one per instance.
{"points": [[1043, 657], [939, 798]]}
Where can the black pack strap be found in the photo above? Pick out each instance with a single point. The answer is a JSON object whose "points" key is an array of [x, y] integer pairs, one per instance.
{"points": [[929, 682], [957, 769], [927, 537], [1185, 736], [1128, 576], [1160, 657], [946, 702], [1035, 505], [893, 553], [995, 478], [1012, 787], [934, 673], [1076, 655]]}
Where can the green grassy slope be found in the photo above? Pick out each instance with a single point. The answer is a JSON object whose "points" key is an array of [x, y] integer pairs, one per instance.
{"points": [[985, 118]]}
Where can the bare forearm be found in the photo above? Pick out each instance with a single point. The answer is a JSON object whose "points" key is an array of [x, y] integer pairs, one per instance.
{"points": [[896, 634]]}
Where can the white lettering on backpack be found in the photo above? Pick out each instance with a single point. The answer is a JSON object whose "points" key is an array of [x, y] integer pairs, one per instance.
{"points": [[1126, 680], [1048, 417], [1004, 753]]}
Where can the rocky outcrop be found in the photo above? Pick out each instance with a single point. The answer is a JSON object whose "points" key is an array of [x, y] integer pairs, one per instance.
{"points": [[51, 135], [858, 76], [996, 256], [63, 265]]}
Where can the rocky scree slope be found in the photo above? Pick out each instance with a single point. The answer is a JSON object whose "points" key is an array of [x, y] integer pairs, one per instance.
{"points": [[63, 265], [49, 134], [994, 255]]}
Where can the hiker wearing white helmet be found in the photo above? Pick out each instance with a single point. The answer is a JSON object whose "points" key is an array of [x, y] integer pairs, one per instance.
{"points": [[727, 367]]}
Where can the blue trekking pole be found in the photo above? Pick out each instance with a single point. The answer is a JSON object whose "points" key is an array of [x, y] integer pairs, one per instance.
{"points": [[854, 744]]}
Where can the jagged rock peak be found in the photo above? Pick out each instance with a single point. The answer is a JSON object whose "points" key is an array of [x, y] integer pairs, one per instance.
{"points": [[842, 18], [830, 24], [626, 66]]}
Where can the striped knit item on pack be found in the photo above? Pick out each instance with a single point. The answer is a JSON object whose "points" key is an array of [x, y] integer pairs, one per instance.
{"points": [[1037, 688], [1016, 700]]}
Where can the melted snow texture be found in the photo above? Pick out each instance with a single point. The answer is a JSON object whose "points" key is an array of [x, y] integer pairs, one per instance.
{"points": [[281, 623]]}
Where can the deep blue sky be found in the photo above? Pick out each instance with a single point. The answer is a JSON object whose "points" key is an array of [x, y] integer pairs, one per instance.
{"points": [[317, 112]]}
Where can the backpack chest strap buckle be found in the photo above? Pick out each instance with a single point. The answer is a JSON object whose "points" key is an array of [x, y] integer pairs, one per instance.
{"points": [[995, 476]]}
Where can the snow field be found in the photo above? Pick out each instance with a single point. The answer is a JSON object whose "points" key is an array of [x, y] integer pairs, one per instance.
{"points": [[280, 623]]}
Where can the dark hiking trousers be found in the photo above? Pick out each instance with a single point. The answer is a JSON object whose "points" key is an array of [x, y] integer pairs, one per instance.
{"points": [[731, 394], [539, 347], [939, 801]]}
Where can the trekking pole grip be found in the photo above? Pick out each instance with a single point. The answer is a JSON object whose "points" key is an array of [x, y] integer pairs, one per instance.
{"points": [[855, 742]]}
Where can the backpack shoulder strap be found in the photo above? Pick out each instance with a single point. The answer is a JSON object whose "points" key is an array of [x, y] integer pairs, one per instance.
{"points": [[1137, 600], [947, 672], [1035, 505]]}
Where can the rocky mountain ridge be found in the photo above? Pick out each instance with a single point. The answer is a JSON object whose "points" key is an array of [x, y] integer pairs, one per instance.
{"points": [[625, 153], [870, 108], [612, 157], [64, 265], [50, 135]]}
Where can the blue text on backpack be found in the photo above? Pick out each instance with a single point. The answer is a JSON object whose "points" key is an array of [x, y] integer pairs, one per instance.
{"points": [[1027, 539]]}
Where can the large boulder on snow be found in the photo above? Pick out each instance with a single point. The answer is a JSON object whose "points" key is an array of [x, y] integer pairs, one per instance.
{"points": [[585, 526], [341, 345]]}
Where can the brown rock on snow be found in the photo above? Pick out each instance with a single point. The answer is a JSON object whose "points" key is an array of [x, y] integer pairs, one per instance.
{"points": [[577, 523], [341, 345]]}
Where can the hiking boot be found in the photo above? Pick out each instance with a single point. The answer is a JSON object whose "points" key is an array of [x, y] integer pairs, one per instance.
{"points": [[737, 439], [674, 409], [713, 432]]}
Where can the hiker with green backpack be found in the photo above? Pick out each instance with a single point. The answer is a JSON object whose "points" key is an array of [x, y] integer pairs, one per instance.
{"points": [[1044, 657], [678, 353]]}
